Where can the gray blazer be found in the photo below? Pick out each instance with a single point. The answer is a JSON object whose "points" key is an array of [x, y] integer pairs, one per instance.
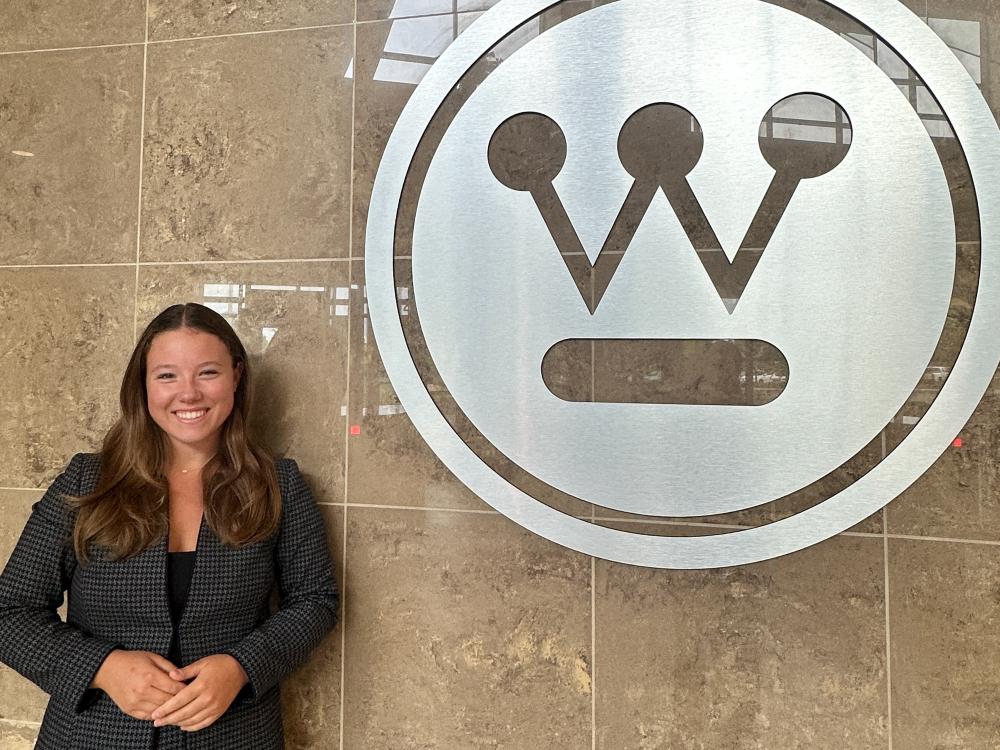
{"points": [[124, 605]]}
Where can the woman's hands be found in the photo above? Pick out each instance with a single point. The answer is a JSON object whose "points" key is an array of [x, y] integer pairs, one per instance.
{"points": [[146, 686], [216, 680], [137, 681]]}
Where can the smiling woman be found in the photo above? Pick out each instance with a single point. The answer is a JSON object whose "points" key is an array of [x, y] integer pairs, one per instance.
{"points": [[169, 542], [190, 382]]}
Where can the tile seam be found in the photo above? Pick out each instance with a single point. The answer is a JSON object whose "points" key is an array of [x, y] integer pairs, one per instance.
{"points": [[259, 32], [115, 45], [489, 512], [593, 653], [655, 522], [175, 263], [247, 261], [10, 267], [142, 158], [888, 639], [944, 539], [347, 391]]}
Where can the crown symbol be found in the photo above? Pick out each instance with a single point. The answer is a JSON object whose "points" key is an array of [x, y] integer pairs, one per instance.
{"points": [[659, 145]]}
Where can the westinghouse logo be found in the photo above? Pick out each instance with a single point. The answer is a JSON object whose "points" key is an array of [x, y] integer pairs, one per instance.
{"points": [[683, 181]]}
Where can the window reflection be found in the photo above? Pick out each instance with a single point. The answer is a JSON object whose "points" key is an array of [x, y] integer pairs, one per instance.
{"points": [[230, 299], [422, 29], [963, 37]]}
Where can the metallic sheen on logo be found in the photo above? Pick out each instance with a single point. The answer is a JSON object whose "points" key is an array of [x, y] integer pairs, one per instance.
{"points": [[495, 291]]}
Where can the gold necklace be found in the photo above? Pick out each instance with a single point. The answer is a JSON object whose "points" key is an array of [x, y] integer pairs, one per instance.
{"points": [[185, 471]]}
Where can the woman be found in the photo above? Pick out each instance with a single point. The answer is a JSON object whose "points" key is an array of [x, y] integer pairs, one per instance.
{"points": [[169, 542]]}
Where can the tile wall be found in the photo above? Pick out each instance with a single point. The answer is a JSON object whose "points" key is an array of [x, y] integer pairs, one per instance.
{"points": [[225, 152]]}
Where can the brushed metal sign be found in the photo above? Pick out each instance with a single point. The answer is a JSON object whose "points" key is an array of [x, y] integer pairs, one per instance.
{"points": [[839, 259]]}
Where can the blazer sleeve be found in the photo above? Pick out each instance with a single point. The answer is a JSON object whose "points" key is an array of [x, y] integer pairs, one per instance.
{"points": [[60, 658], [308, 596]]}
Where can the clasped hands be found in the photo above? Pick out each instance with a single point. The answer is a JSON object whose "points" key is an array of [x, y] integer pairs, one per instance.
{"points": [[146, 686]]}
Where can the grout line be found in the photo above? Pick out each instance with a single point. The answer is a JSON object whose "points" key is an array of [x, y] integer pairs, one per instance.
{"points": [[177, 262], [347, 390], [66, 265], [259, 32], [662, 522], [417, 507], [888, 641], [142, 152], [593, 653], [915, 538], [70, 49], [248, 261], [146, 40]]}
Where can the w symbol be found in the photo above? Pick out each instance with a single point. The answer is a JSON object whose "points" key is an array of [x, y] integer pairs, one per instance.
{"points": [[659, 146]]}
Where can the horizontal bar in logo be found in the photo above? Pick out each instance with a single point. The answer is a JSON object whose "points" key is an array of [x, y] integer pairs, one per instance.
{"points": [[707, 372]]}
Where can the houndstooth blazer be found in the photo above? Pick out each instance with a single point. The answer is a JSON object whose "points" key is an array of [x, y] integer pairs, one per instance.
{"points": [[124, 604]]}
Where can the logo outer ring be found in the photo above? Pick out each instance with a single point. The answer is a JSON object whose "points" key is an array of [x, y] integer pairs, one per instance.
{"points": [[978, 135]]}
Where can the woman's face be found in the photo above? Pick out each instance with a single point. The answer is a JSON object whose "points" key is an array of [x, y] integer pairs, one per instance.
{"points": [[190, 385]]}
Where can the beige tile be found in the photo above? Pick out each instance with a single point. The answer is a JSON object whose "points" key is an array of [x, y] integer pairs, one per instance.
{"points": [[389, 463], [377, 106], [16, 735], [69, 23], [20, 699], [463, 631], [66, 338], [290, 321], [957, 497], [943, 607], [69, 155], [248, 147], [310, 696], [190, 18], [784, 654]]}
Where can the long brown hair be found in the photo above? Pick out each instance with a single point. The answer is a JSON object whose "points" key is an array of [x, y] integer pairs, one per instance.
{"points": [[128, 510]]}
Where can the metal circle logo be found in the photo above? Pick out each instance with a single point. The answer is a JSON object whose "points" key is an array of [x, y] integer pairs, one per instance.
{"points": [[506, 192]]}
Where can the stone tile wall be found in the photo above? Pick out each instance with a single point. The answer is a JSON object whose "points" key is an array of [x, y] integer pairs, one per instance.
{"points": [[224, 152]]}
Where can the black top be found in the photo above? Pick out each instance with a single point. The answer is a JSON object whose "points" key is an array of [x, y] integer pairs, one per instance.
{"points": [[180, 566]]}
